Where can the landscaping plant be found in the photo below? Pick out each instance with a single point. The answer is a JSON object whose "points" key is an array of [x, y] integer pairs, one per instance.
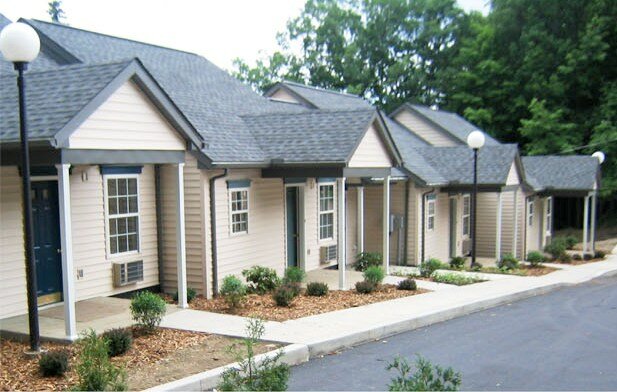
{"points": [[119, 341], [261, 280], [556, 248], [233, 291], [294, 275], [95, 372], [367, 259], [407, 284], [54, 363], [147, 310], [566, 258], [365, 287], [429, 266], [285, 294], [587, 256], [457, 262], [600, 254], [317, 289], [535, 258], [374, 275], [570, 241], [427, 377], [577, 257], [267, 375], [508, 262], [190, 295], [455, 279]]}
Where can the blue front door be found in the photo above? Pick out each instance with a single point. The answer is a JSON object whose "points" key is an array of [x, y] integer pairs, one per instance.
{"points": [[46, 224], [293, 234]]}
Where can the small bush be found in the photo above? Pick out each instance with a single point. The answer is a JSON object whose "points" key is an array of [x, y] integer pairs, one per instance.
{"points": [[317, 289], [430, 266], [577, 257], [457, 262], [535, 258], [570, 241], [54, 363], [294, 275], [455, 279], [599, 254], [190, 295], [261, 280], [365, 287], [119, 341], [426, 378], [407, 284], [367, 259], [587, 256], [233, 291], [95, 372], [507, 262], [285, 294], [477, 267], [556, 248], [374, 275], [565, 258], [147, 309]]}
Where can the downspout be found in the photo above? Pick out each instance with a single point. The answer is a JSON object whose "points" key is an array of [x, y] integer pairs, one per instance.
{"points": [[215, 266], [159, 224], [424, 222], [405, 245]]}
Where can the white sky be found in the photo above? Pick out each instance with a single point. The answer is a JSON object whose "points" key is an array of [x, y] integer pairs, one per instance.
{"points": [[219, 30]]}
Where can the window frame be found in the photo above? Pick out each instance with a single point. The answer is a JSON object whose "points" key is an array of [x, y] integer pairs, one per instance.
{"points": [[530, 211], [466, 199], [548, 211], [246, 211], [429, 201], [326, 212], [108, 216]]}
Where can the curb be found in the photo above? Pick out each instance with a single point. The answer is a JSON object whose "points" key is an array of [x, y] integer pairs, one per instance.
{"points": [[293, 354]]}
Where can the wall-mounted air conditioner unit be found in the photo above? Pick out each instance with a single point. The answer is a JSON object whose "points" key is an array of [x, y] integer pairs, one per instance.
{"points": [[128, 273], [327, 254]]}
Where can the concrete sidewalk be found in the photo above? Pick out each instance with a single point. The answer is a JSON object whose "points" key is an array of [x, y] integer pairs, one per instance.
{"points": [[336, 330]]}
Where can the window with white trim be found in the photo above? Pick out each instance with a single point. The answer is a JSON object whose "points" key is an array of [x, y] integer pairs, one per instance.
{"points": [[549, 214], [430, 213], [530, 211], [122, 196], [466, 214], [239, 210], [326, 211]]}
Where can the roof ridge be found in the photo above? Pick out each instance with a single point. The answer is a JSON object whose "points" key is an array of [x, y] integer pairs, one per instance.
{"points": [[77, 65], [308, 112], [322, 90]]}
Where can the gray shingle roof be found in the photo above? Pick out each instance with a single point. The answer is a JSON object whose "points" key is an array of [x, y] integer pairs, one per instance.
{"points": [[571, 172], [54, 97], [326, 99], [314, 136]]}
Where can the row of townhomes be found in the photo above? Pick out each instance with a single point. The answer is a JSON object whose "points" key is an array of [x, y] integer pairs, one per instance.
{"points": [[153, 168]]}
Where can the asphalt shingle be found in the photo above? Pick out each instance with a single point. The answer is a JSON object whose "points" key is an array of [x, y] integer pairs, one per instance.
{"points": [[327, 99], [566, 172]]}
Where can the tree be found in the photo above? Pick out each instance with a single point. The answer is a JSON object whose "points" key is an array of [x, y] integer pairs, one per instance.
{"points": [[55, 11]]}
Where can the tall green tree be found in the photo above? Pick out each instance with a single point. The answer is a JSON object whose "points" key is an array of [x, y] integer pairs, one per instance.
{"points": [[55, 11]]}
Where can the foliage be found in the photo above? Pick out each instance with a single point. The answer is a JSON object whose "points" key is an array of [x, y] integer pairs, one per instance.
{"points": [[147, 309], [455, 279], [54, 363], [477, 267], [577, 257], [95, 372], [119, 341], [566, 258], [587, 256], [535, 258], [364, 287], [285, 294], [233, 291], [407, 284], [317, 289], [556, 248], [268, 375], [430, 266], [261, 280], [374, 275], [367, 259], [55, 11], [294, 275], [508, 262], [190, 295], [427, 377], [571, 241], [457, 262], [599, 254]]}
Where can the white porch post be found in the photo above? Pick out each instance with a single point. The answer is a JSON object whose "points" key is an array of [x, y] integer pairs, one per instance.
{"points": [[386, 224], [66, 245], [515, 236], [585, 224], [592, 236], [181, 238], [360, 223], [342, 235], [498, 234]]}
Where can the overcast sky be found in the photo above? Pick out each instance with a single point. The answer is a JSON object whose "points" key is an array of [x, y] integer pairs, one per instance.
{"points": [[219, 30]]}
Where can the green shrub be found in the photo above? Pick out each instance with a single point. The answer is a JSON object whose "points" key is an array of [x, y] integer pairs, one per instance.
{"points": [[455, 279], [599, 254], [268, 375], [430, 266], [294, 275], [535, 258], [190, 295], [95, 372], [285, 294], [374, 275], [587, 256], [556, 248], [54, 363], [570, 241], [577, 257], [119, 341], [365, 287], [367, 259], [565, 258], [457, 262], [477, 267], [407, 284], [426, 378], [233, 291], [317, 289], [261, 280], [508, 262], [147, 309]]}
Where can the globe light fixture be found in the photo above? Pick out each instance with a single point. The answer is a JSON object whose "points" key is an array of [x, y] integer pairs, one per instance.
{"points": [[475, 141], [599, 155], [19, 43]]}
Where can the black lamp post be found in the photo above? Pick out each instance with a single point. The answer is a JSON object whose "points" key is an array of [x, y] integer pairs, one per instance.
{"points": [[475, 141], [20, 44]]}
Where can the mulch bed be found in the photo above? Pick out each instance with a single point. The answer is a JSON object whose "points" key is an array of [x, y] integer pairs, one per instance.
{"points": [[20, 372], [263, 306], [523, 270], [578, 262]]}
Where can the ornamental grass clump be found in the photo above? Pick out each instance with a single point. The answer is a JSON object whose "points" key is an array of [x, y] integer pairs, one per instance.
{"points": [[374, 275], [147, 310]]}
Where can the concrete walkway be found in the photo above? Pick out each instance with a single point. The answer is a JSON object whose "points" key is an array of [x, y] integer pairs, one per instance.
{"points": [[335, 330]]}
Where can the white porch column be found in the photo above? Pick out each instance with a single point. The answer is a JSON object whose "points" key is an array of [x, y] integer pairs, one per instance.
{"points": [[66, 246], [342, 240], [515, 236], [498, 234], [585, 224], [386, 224], [181, 238], [360, 223], [592, 226]]}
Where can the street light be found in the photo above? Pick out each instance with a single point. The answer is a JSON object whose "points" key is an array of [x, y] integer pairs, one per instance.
{"points": [[475, 141], [20, 44], [599, 155]]}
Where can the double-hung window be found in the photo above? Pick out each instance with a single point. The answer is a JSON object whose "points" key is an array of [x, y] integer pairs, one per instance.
{"points": [[430, 212], [466, 214], [549, 214], [239, 209], [530, 211], [122, 214], [326, 211]]}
